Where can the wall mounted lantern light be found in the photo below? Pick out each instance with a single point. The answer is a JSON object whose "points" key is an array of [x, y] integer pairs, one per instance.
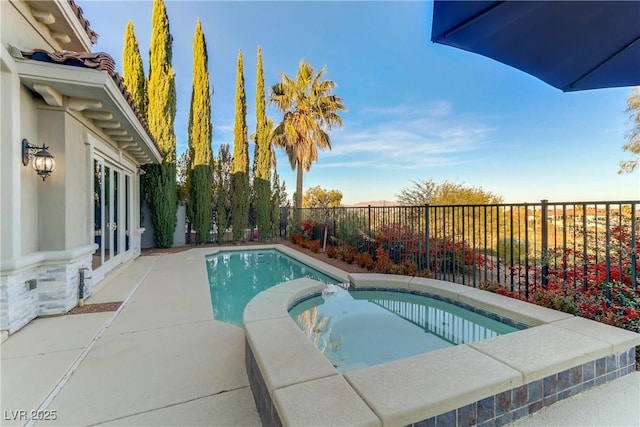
{"points": [[43, 161]]}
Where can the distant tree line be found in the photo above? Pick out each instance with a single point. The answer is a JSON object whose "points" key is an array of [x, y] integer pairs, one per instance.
{"points": [[431, 192]]}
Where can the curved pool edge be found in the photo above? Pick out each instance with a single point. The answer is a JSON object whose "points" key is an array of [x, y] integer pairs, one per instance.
{"points": [[508, 376], [323, 267]]}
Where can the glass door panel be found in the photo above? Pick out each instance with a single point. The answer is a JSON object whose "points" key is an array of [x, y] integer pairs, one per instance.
{"points": [[108, 211], [98, 208], [127, 210], [115, 213], [112, 206]]}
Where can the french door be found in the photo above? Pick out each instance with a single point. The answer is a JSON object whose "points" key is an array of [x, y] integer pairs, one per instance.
{"points": [[112, 216]]}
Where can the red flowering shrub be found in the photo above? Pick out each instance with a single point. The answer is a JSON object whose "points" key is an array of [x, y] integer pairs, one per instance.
{"points": [[402, 244], [348, 253], [297, 238], [331, 251], [611, 302], [314, 245], [448, 256], [551, 298], [364, 260], [397, 240], [409, 267], [307, 229], [383, 264], [582, 282]]}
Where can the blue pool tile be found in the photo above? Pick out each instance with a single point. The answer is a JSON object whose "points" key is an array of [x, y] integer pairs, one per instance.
{"points": [[485, 409], [564, 380], [520, 412], [587, 385], [429, 422], [588, 371], [503, 403], [601, 367], [550, 385], [504, 420], [520, 396], [535, 391], [467, 415], [448, 419], [612, 363]]}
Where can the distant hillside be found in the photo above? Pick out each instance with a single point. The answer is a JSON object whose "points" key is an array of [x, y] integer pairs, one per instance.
{"points": [[374, 203]]}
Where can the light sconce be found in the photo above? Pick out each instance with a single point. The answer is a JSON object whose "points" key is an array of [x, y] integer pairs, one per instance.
{"points": [[43, 161]]}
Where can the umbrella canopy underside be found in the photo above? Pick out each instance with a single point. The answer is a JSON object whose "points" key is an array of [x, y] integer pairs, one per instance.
{"points": [[571, 45]]}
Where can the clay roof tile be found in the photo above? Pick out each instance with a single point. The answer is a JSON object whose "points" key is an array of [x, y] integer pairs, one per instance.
{"points": [[93, 36]]}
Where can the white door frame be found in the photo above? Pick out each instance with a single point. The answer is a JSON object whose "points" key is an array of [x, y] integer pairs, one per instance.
{"points": [[111, 214]]}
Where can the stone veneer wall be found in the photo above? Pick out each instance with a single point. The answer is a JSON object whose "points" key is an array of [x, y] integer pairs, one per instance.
{"points": [[18, 303], [56, 291], [495, 411]]}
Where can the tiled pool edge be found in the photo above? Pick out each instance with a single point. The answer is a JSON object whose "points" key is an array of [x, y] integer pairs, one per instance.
{"points": [[509, 403], [496, 410], [261, 396]]}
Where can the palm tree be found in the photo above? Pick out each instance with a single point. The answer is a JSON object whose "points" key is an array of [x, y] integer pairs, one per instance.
{"points": [[310, 110]]}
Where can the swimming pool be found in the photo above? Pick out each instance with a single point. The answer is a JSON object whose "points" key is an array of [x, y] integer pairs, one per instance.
{"points": [[365, 328], [236, 276]]}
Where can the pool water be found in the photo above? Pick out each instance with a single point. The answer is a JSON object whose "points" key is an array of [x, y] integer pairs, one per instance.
{"points": [[235, 277], [365, 328]]}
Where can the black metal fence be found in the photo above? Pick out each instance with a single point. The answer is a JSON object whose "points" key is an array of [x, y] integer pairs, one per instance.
{"points": [[518, 246]]}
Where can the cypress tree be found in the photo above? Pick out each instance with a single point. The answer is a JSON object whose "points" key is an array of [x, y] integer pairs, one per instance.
{"points": [[240, 173], [161, 112], [133, 70], [223, 190], [134, 80], [277, 202], [201, 159], [262, 154]]}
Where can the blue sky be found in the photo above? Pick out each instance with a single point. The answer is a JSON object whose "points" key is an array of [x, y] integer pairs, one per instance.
{"points": [[417, 110]]}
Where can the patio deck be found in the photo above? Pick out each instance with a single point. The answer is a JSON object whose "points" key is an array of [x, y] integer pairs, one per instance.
{"points": [[161, 359]]}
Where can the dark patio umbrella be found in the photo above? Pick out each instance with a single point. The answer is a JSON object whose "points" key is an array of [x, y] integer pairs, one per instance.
{"points": [[571, 45]]}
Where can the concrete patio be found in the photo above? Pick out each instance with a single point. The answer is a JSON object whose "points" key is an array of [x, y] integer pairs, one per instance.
{"points": [[162, 359]]}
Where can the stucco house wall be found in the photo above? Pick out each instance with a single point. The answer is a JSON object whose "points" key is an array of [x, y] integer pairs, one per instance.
{"points": [[83, 220]]}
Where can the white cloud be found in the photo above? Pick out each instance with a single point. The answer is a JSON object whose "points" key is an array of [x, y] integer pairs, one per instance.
{"points": [[397, 137], [406, 137], [436, 109]]}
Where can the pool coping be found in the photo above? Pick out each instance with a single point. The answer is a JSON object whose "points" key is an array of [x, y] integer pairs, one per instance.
{"points": [[493, 381]]}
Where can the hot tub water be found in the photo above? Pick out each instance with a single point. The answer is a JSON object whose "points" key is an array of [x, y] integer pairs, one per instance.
{"points": [[365, 328]]}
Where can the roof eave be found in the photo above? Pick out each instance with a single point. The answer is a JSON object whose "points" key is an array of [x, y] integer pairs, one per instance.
{"points": [[95, 94], [65, 22]]}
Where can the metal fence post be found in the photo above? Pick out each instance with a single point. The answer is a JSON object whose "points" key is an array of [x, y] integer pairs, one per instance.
{"points": [[545, 243], [526, 250], [607, 252], [634, 248], [426, 236]]}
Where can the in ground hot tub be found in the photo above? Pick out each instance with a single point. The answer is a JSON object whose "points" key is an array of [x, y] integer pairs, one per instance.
{"points": [[496, 380], [369, 327]]}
